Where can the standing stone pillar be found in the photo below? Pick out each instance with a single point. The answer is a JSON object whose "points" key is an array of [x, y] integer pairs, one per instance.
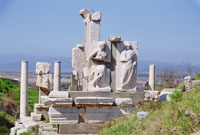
{"points": [[152, 77], [24, 90], [56, 86]]}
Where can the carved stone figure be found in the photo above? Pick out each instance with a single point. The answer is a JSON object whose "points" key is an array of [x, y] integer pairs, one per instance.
{"points": [[44, 79], [128, 66], [99, 53], [98, 78]]}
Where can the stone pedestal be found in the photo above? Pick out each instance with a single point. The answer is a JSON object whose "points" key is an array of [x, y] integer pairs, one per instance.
{"points": [[56, 86], [24, 90], [152, 77]]}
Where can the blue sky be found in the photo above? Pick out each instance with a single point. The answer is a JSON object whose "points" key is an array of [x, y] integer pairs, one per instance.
{"points": [[167, 30]]}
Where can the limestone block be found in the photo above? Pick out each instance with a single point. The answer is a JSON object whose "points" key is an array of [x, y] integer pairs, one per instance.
{"points": [[99, 78], [151, 95], [48, 133], [123, 102], [135, 96], [96, 16], [114, 38], [18, 124], [142, 114], [85, 13], [30, 126], [38, 107], [21, 131], [78, 63], [188, 82], [36, 117], [45, 100], [93, 31], [45, 81], [194, 82], [107, 101], [42, 68], [13, 130], [99, 51], [164, 94], [58, 94], [41, 109], [126, 66], [61, 115], [103, 114]]}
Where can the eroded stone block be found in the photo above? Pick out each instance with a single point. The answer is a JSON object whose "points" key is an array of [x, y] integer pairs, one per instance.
{"points": [[58, 94], [123, 102], [96, 16], [36, 117], [103, 114], [61, 115], [114, 38], [92, 101], [78, 63]]}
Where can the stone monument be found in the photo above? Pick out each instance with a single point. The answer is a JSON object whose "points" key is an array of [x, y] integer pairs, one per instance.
{"points": [[104, 76]]}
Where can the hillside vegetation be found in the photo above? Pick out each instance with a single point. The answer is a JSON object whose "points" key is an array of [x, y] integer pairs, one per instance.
{"points": [[165, 118], [9, 104]]}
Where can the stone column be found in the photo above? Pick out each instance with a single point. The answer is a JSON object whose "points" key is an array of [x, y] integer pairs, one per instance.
{"points": [[56, 86], [152, 76], [24, 90]]}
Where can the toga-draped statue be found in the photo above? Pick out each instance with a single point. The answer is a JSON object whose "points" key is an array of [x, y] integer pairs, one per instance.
{"points": [[128, 67]]}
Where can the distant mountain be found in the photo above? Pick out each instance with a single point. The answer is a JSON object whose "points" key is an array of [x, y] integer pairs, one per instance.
{"points": [[13, 62]]}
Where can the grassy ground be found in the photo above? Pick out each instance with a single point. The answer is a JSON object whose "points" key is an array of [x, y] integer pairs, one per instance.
{"points": [[165, 118], [9, 104]]}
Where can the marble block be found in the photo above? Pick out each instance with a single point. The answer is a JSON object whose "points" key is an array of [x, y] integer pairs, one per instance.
{"points": [[42, 68], [60, 115], [96, 16], [94, 101], [114, 38], [36, 117], [124, 102], [103, 114], [78, 63], [58, 94]]}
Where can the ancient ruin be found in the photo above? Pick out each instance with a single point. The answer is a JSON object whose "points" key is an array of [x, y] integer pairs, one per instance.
{"points": [[103, 83]]}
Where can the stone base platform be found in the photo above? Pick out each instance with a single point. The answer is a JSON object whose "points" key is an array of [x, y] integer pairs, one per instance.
{"points": [[135, 96], [83, 128]]}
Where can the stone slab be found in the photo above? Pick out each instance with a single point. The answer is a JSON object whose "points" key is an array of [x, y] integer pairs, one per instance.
{"points": [[63, 115], [82, 128], [41, 109], [135, 96], [58, 94], [114, 38], [103, 114], [36, 117], [123, 102], [93, 101]]}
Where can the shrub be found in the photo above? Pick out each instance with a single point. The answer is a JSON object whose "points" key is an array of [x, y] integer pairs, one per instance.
{"points": [[197, 77], [176, 95]]}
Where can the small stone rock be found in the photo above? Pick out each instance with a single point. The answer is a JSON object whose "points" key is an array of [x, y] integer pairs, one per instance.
{"points": [[187, 113], [142, 114]]}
